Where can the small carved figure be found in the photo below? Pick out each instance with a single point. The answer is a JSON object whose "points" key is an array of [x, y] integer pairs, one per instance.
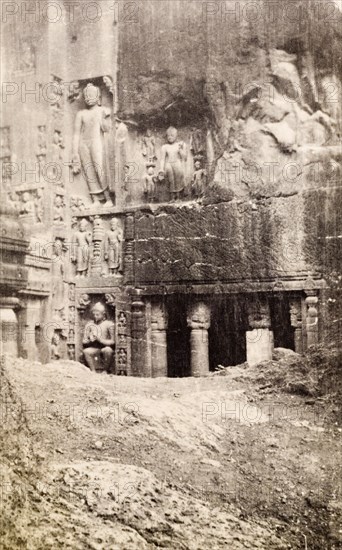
{"points": [[173, 156], [113, 247], [110, 299], [199, 180], [5, 142], [122, 320], [54, 347], [56, 94], [13, 200], [122, 360], [149, 147], [27, 208], [71, 335], [57, 147], [99, 339], [39, 205], [41, 147], [197, 143], [150, 183], [72, 314], [27, 57], [81, 248], [73, 205], [108, 82], [83, 301], [71, 352], [74, 91], [58, 209], [88, 144], [80, 204], [72, 292]]}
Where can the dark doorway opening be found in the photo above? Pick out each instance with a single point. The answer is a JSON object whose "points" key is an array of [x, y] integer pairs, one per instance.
{"points": [[178, 337], [281, 322], [227, 332]]}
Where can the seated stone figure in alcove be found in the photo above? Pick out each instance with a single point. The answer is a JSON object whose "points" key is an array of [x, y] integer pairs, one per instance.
{"points": [[99, 340], [89, 146]]}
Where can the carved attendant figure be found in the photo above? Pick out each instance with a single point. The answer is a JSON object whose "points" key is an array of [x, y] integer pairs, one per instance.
{"points": [[81, 244], [88, 144], [149, 146], [99, 339], [173, 155], [149, 183], [113, 247], [199, 180], [58, 209]]}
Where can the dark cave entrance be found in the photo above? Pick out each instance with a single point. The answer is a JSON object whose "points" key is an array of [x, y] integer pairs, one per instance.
{"points": [[280, 321], [227, 332], [178, 337]]}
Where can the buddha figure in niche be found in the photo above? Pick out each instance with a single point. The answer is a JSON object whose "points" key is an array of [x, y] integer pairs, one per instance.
{"points": [[89, 152]]}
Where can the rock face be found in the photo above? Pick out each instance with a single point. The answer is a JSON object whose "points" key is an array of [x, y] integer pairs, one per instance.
{"points": [[220, 170], [13, 276], [265, 82]]}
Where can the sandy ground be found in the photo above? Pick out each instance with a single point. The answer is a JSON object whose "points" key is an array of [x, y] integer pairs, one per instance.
{"points": [[107, 462]]}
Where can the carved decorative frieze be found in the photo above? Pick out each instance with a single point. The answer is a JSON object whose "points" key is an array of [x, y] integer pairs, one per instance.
{"points": [[58, 293]]}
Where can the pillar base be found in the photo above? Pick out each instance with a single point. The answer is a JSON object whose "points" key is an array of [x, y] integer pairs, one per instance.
{"points": [[8, 326]]}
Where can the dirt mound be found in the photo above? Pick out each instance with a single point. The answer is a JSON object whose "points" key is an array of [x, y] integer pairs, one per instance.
{"points": [[127, 463]]}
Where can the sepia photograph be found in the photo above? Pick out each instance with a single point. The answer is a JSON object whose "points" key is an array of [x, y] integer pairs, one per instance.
{"points": [[171, 275]]}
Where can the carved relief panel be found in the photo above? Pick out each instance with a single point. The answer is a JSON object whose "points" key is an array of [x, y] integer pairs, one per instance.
{"points": [[98, 246]]}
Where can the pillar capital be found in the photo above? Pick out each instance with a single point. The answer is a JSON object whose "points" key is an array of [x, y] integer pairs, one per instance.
{"points": [[199, 316], [259, 315]]}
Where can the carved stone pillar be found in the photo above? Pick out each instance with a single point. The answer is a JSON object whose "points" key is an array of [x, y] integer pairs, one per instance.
{"points": [[296, 323], [199, 322], [139, 367], [259, 339], [311, 318], [8, 326], [129, 249], [158, 340]]}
